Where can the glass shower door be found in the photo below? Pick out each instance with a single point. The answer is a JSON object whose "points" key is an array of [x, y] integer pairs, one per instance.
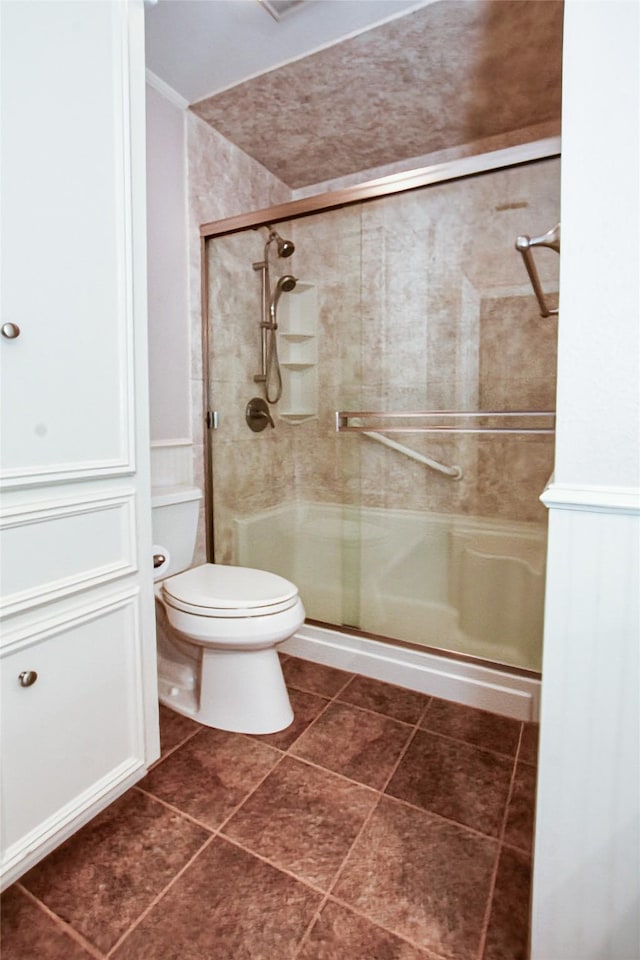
{"points": [[411, 303]]}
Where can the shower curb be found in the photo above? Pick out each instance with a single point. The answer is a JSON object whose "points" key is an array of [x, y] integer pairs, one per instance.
{"points": [[471, 684]]}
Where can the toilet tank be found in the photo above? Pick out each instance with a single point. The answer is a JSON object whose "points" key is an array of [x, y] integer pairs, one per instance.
{"points": [[174, 523]]}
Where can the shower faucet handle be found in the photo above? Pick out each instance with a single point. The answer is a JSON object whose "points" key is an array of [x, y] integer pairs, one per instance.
{"points": [[257, 415]]}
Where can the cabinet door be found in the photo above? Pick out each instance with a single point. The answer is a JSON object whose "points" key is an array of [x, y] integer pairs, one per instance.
{"points": [[72, 720], [67, 404]]}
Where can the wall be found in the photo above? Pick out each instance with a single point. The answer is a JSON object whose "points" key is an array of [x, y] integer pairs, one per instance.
{"points": [[587, 870], [169, 351]]}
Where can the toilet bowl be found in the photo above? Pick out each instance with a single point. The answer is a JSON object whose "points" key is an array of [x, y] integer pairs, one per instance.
{"points": [[217, 657]]}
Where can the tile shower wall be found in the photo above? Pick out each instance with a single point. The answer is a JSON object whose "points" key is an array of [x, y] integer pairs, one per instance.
{"points": [[223, 182], [423, 303]]}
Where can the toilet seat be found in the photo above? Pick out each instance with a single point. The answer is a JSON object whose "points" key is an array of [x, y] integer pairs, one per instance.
{"points": [[214, 590]]}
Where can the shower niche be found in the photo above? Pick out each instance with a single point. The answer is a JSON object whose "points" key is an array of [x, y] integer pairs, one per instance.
{"points": [[298, 352]]}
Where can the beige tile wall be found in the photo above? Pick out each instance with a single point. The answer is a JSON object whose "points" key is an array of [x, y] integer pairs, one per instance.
{"points": [[223, 182]]}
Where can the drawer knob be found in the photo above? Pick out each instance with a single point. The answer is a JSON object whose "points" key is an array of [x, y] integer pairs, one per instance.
{"points": [[27, 678], [10, 330]]}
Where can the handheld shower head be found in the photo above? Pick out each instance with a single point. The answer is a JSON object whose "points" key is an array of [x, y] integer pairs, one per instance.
{"points": [[285, 247], [284, 285]]}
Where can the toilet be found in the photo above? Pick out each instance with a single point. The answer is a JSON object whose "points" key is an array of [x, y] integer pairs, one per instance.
{"points": [[218, 628]]}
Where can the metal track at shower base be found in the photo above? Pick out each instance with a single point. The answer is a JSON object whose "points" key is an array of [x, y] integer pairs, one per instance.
{"points": [[425, 648]]}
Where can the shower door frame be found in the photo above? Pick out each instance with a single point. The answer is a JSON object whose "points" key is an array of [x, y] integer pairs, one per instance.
{"points": [[464, 167]]}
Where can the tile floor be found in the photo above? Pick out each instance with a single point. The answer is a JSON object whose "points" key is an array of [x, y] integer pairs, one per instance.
{"points": [[381, 825]]}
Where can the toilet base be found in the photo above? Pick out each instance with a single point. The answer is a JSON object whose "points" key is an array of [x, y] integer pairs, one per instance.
{"points": [[244, 691], [236, 690]]}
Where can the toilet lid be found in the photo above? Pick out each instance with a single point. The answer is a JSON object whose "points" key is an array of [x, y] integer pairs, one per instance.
{"points": [[218, 587]]}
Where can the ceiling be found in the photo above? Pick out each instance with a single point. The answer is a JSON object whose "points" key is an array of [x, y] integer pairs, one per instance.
{"points": [[322, 94], [199, 47]]}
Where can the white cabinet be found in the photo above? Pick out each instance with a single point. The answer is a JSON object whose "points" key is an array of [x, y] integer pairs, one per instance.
{"points": [[77, 648]]}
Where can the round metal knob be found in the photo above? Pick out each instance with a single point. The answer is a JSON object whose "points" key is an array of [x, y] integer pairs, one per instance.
{"points": [[27, 678], [10, 330], [257, 415], [158, 560]]}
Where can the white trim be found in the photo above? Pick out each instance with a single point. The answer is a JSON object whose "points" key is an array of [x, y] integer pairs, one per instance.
{"points": [[163, 88], [62, 473], [438, 675], [565, 496]]}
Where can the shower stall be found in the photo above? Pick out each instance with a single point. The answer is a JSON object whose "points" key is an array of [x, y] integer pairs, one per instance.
{"points": [[413, 430]]}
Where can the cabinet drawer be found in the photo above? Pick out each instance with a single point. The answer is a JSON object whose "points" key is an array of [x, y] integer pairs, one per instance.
{"points": [[73, 733]]}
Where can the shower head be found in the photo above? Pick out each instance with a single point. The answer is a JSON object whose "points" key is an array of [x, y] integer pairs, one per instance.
{"points": [[284, 285], [285, 247]]}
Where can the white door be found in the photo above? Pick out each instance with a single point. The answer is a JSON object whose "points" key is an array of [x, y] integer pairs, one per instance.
{"points": [[79, 705]]}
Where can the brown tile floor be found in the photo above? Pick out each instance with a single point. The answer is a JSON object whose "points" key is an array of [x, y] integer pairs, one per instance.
{"points": [[381, 825]]}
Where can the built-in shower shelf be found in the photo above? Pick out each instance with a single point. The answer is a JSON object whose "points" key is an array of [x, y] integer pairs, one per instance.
{"points": [[298, 350]]}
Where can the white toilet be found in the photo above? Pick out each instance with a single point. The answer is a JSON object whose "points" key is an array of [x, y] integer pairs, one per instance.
{"points": [[222, 667]]}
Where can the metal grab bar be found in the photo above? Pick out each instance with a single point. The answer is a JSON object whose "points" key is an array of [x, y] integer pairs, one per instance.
{"points": [[454, 472], [351, 421], [523, 245]]}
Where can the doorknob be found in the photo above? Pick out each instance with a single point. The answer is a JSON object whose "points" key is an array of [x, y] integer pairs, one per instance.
{"points": [[10, 330]]}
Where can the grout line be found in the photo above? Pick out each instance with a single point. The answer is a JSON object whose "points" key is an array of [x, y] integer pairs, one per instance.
{"points": [[316, 693], [363, 826], [435, 954], [333, 773], [467, 743], [443, 819], [401, 757], [63, 924], [251, 793], [160, 895], [177, 746], [321, 905], [517, 849], [492, 886], [373, 713], [272, 863], [313, 722], [174, 809]]}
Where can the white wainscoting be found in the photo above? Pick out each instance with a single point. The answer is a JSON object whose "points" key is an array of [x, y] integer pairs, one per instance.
{"points": [[587, 855], [171, 463]]}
